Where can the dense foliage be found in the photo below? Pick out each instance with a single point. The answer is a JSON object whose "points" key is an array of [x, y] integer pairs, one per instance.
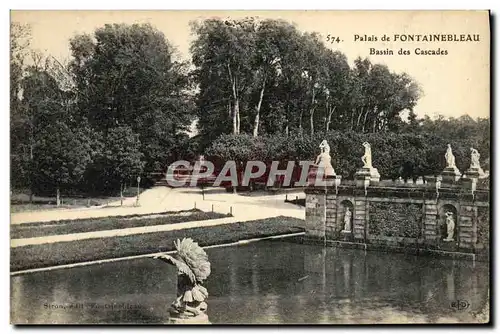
{"points": [[395, 220], [267, 77], [120, 108], [406, 155], [123, 106], [483, 226]]}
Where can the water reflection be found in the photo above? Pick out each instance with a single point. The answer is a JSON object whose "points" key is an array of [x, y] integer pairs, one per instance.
{"points": [[265, 282]]}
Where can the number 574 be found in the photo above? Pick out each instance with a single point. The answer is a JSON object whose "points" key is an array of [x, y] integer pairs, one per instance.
{"points": [[332, 39]]}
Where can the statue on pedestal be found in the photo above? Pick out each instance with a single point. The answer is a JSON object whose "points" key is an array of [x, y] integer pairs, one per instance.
{"points": [[324, 160], [367, 157], [474, 162], [474, 158], [367, 173], [475, 171], [450, 226], [347, 220], [450, 158], [193, 268], [451, 172]]}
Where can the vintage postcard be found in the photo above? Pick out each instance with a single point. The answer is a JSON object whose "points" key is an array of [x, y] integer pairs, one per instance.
{"points": [[250, 167]]}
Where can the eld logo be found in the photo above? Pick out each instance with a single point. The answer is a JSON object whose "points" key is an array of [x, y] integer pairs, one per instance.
{"points": [[460, 305]]}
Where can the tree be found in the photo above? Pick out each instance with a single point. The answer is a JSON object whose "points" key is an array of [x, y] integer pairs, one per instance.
{"points": [[314, 72], [264, 76], [20, 37], [121, 157], [336, 88], [378, 97], [42, 101], [61, 156], [267, 61], [222, 54], [284, 99], [125, 75]]}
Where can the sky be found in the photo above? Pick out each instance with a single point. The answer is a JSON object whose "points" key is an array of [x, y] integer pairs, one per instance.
{"points": [[453, 85]]}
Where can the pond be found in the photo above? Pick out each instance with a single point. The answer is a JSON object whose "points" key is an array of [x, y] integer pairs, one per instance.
{"points": [[267, 282]]}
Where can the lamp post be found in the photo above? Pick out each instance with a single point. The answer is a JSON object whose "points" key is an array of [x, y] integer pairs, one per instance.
{"points": [[138, 190]]}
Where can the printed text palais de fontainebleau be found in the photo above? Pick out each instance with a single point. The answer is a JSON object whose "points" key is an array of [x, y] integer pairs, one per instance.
{"points": [[394, 41]]}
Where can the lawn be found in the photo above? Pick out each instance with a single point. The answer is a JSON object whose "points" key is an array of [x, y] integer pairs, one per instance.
{"points": [[39, 229], [45, 255], [20, 201]]}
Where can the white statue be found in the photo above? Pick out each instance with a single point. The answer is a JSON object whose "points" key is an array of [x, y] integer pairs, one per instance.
{"points": [[347, 220], [450, 158], [450, 226], [324, 160], [474, 158], [325, 148], [367, 157]]}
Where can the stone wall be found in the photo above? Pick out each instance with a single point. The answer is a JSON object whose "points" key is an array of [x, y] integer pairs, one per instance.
{"points": [[316, 215], [400, 219]]}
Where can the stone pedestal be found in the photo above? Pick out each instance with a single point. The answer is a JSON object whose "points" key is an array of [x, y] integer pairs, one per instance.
{"points": [[470, 178], [327, 180], [346, 235], [336, 179], [201, 319], [366, 174], [430, 180], [450, 175], [362, 180], [474, 173]]}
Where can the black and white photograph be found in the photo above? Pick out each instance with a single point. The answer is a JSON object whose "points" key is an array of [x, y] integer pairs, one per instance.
{"points": [[243, 167]]}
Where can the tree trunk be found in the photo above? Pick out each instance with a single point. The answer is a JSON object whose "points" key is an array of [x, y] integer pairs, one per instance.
{"points": [[375, 119], [329, 119], [300, 121], [58, 197], [353, 111], [234, 119], [257, 115], [326, 115], [311, 117], [359, 118], [287, 119], [121, 194], [30, 172], [364, 120], [311, 120], [237, 110], [236, 114]]}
